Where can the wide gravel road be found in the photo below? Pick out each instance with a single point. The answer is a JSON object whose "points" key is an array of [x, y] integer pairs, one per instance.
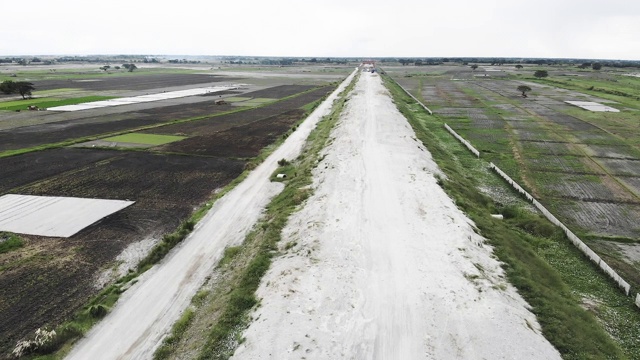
{"points": [[381, 263]]}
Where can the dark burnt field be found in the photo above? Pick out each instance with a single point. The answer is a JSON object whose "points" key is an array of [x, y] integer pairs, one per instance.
{"points": [[244, 141], [24, 169], [132, 81], [49, 279]]}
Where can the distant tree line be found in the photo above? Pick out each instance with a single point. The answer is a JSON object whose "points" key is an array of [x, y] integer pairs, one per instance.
{"points": [[182, 61]]}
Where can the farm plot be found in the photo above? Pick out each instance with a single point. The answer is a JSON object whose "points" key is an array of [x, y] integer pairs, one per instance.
{"points": [[535, 134], [132, 140], [549, 148], [598, 188], [624, 167], [242, 141], [132, 81], [165, 187], [588, 176], [28, 136], [35, 135], [595, 138], [21, 170], [278, 92], [51, 278], [564, 164], [211, 125], [621, 151], [605, 219]]}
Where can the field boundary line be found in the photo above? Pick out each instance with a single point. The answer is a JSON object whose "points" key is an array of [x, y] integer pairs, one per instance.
{"points": [[463, 141], [414, 98]]}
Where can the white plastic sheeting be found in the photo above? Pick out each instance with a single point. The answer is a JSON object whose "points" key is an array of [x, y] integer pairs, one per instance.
{"points": [[143, 98], [592, 106], [53, 216]]}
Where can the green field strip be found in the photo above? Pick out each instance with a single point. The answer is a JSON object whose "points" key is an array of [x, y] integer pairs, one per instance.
{"points": [[50, 102], [146, 139], [262, 100], [20, 102], [236, 99]]}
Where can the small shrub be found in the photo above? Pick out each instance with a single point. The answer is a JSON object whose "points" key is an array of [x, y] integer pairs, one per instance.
{"points": [[9, 241], [510, 212], [97, 311], [283, 162]]}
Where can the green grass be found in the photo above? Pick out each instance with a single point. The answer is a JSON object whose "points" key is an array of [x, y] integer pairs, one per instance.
{"points": [[177, 332], [24, 102], [147, 139], [9, 241], [236, 99], [262, 100], [49, 102], [539, 261]]}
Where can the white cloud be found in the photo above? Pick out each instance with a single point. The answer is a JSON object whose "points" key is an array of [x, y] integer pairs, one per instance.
{"points": [[544, 28]]}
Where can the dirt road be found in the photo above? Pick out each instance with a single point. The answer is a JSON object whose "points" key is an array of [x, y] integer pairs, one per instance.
{"points": [[145, 313], [384, 265]]}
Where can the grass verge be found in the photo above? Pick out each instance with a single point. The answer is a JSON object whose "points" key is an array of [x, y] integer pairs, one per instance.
{"points": [[582, 313]]}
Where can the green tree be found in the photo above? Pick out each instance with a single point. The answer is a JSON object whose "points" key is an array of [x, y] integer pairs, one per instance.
{"points": [[541, 74], [22, 87], [519, 66], [132, 67], [524, 89], [474, 66], [596, 66], [7, 86]]}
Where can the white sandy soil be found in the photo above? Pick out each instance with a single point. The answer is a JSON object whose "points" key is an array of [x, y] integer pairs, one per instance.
{"points": [[384, 265]]}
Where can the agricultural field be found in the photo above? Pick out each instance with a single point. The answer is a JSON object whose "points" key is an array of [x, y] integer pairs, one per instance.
{"points": [[171, 157], [582, 165]]}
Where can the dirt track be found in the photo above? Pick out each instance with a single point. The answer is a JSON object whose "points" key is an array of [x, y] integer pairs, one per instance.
{"points": [[384, 264]]}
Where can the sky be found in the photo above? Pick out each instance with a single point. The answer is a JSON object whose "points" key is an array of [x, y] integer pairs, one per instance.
{"points": [[329, 28]]}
